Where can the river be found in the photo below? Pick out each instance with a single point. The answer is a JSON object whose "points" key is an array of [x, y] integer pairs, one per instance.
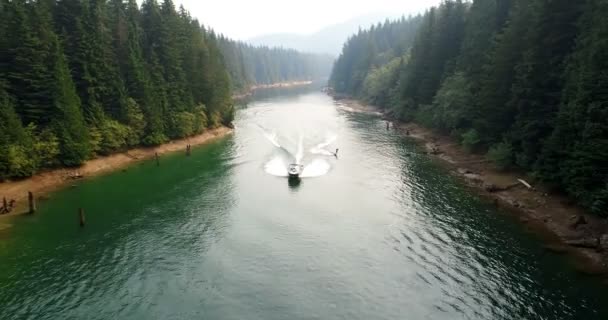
{"points": [[381, 232]]}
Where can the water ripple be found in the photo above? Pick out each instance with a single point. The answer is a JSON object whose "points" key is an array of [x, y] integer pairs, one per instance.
{"points": [[386, 234]]}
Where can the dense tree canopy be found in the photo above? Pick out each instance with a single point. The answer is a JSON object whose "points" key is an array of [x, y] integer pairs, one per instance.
{"points": [[384, 46], [249, 65], [82, 78], [87, 77], [524, 80]]}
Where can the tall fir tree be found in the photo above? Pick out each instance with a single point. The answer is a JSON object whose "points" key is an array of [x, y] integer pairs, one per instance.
{"points": [[575, 154], [538, 82], [520, 79], [68, 120]]}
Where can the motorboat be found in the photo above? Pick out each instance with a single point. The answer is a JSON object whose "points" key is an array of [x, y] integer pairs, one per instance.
{"points": [[295, 170]]}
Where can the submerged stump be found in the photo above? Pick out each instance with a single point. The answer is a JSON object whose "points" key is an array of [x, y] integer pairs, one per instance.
{"points": [[81, 217], [32, 202]]}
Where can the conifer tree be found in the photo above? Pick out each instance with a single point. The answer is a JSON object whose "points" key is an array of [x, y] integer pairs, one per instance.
{"points": [[89, 77], [538, 82], [68, 121], [576, 153], [28, 74], [523, 80]]}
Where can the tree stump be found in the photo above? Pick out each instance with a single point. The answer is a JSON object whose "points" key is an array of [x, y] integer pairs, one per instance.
{"points": [[81, 216], [32, 202]]}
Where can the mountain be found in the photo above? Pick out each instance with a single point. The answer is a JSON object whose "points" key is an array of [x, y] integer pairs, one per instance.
{"points": [[328, 40]]}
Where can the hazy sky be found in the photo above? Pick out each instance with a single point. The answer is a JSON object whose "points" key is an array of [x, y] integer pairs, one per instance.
{"points": [[243, 19]]}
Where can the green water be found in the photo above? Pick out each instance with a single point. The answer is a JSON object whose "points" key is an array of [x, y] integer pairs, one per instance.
{"points": [[384, 234]]}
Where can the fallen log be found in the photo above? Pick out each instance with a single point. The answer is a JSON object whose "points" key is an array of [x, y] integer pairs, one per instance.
{"points": [[584, 243]]}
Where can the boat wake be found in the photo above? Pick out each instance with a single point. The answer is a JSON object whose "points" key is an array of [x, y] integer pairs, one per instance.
{"points": [[320, 148], [279, 167], [317, 166]]}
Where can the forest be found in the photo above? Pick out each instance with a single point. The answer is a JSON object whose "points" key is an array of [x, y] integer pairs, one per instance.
{"points": [[84, 78], [523, 81], [250, 65]]}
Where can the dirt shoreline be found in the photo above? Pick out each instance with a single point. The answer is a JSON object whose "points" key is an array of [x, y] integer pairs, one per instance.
{"points": [[565, 228], [249, 92], [43, 183]]}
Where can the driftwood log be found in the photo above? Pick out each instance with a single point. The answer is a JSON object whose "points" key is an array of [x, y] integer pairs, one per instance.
{"points": [[525, 183], [587, 243]]}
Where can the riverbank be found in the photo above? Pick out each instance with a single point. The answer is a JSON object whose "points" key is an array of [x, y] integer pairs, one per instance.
{"points": [[251, 90], [566, 228], [43, 183]]}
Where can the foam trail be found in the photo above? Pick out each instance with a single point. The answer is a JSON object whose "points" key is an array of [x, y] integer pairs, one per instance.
{"points": [[276, 167], [322, 152], [320, 148], [316, 168], [330, 140], [300, 152], [272, 137]]}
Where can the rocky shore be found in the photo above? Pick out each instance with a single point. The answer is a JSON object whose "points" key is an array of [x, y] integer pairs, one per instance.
{"points": [[564, 227]]}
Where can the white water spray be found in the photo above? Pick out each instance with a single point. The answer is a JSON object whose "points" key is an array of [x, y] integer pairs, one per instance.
{"points": [[272, 137], [320, 148], [278, 166], [300, 151], [317, 168]]}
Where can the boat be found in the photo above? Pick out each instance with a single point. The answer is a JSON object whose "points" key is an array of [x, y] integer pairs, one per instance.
{"points": [[295, 170]]}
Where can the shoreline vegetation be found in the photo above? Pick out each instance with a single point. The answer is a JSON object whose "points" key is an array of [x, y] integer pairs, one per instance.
{"points": [[250, 65], [521, 81], [41, 184], [82, 80], [87, 79], [252, 89], [520, 85], [564, 227]]}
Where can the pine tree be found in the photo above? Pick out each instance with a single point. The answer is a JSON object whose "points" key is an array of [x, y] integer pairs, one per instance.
{"points": [[372, 49], [88, 77], [539, 76], [527, 81], [68, 121], [576, 153], [27, 74], [14, 158], [433, 55], [493, 116]]}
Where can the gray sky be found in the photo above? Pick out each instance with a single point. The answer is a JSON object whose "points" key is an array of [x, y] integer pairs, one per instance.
{"points": [[243, 19]]}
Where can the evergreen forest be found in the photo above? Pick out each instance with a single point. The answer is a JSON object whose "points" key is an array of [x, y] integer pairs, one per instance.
{"points": [[258, 65], [84, 78], [523, 81]]}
